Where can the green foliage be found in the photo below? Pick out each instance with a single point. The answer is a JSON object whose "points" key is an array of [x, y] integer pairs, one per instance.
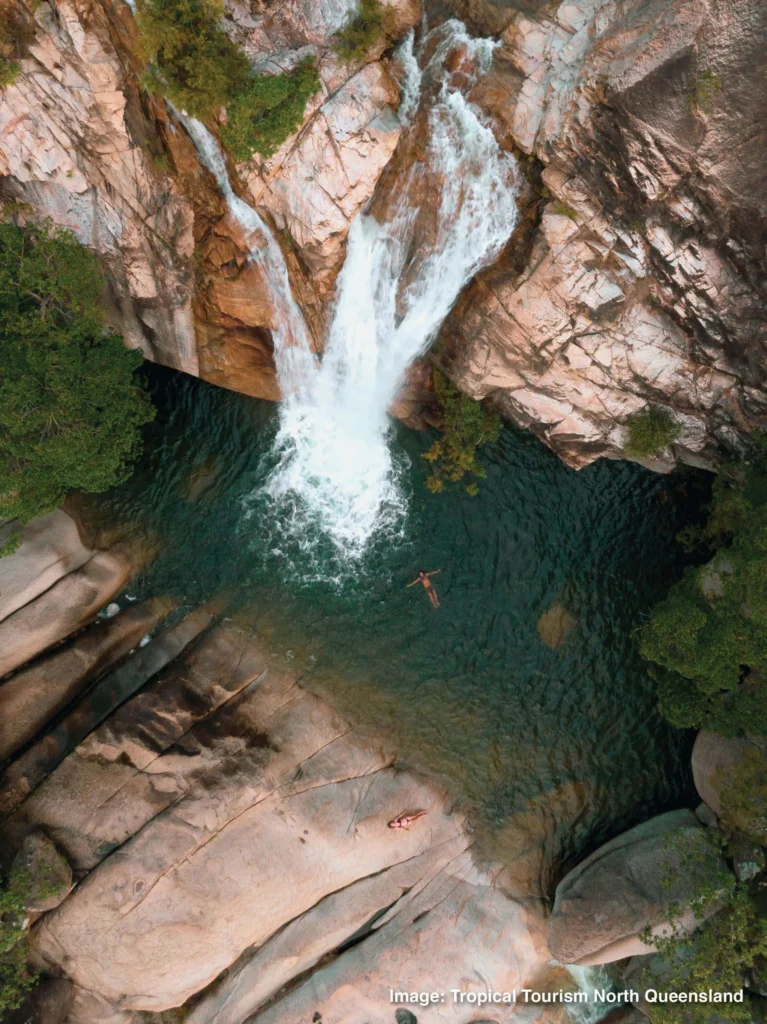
{"points": [[708, 639], [15, 979], [563, 210], [703, 91], [744, 796], [371, 23], [9, 70], [11, 545], [468, 425], [649, 432], [70, 411], [191, 60], [269, 110], [729, 941], [716, 956]]}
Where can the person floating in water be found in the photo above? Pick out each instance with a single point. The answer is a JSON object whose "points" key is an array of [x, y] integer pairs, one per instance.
{"points": [[428, 586]]}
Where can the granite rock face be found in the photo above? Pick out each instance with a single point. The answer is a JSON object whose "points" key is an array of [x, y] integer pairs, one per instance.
{"points": [[628, 885], [83, 144], [643, 281]]}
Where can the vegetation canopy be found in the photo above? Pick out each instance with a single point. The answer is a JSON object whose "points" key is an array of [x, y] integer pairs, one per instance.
{"points": [[371, 23], [70, 411], [729, 941], [708, 639], [268, 111], [468, 425], [191, 60]]}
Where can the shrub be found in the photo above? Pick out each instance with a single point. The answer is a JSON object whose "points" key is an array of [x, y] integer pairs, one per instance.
{"points": [[703, 91], [70, 411], [729, 941], [649, 432], [9, 70], [268, 111], [371, 23], [468, 425], [708, 638], [15, 979], [191, 60]]}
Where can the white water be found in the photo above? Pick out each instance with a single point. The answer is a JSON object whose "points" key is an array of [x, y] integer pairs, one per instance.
{"points": [[336, 474]]}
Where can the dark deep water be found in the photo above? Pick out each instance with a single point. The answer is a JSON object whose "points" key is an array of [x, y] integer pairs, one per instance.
{"points": [[470, 690]]}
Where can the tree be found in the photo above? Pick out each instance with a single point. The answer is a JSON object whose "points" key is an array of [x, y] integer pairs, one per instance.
{"points": [[191, 60], [708, 639], [70, 408]]}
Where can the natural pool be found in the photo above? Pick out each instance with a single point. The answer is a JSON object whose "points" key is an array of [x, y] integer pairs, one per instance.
{"points": [[521, 731]]}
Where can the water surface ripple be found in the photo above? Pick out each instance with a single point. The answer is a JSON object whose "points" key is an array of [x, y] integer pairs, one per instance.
{"points": [[566, 736]]}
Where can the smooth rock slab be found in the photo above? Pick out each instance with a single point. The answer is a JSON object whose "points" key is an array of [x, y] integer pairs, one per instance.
{"points": [[65, 608], [29, 699], [626, 886]]}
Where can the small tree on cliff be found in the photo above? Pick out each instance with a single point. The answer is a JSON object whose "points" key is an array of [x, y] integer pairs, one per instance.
{"points": [[190, 59], [70, 409]]}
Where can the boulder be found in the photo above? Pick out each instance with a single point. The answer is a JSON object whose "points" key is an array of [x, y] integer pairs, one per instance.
{"points": [[713, 758], [64, 608], [628, 885], [29, 699], [49, 872]]}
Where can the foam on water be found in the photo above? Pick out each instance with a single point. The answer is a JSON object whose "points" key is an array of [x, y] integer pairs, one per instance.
{"points": [[336, 472], [336, 479]]}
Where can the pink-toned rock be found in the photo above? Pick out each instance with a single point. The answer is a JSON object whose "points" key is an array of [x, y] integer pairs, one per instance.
{"points": [[29, 699], [66, 607], [50, 548], [628, 885]]}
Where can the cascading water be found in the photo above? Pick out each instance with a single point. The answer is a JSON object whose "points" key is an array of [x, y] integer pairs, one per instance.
{"points": [[336, 475], [296, 363]]}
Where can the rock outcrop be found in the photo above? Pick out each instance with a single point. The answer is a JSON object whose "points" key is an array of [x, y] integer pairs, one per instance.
{"points": [[643, 283], [628, 885], [83, 144], [229, 834], [715, 760]]}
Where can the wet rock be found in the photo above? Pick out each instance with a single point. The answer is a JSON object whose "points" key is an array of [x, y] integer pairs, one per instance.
{"points": [[629, 884], [555, 624], [625, 1015], [49, 872], [706, 816], [30, 698]]}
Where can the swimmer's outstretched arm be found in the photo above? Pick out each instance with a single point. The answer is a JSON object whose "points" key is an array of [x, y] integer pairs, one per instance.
{"points": [[433, 573], [414, 582]]}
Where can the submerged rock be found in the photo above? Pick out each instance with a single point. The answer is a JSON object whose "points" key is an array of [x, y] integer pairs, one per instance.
{"points": [[555, 624]]}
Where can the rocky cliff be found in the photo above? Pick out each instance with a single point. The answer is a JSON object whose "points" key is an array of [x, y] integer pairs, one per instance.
{"points": [[636, 277]]}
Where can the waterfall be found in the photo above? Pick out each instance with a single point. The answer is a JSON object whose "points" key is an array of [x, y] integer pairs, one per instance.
{"points": [[336, 475], [296, 363]]}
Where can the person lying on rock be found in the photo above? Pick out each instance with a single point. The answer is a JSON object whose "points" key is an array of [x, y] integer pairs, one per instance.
{"points": [[404, 820], [428, 586]]}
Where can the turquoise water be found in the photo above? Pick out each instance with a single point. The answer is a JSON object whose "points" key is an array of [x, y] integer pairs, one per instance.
{"points": [[565, 737]]}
